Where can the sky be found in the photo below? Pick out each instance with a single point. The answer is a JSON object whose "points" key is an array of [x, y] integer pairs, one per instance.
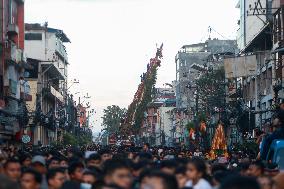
{"points": [[113, 40]]}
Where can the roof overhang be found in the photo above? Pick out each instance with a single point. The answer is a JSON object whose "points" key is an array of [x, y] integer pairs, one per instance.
{"points": [[259, 39]]}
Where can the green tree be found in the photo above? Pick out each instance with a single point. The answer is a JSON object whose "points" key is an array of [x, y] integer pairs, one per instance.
{"points": [[112, 118], [211, 91], [81, 139]]}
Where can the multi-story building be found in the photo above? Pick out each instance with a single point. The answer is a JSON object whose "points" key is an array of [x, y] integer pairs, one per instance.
{"points": [[192, 61], [45, 47], [253, 75], [157, 125], [13, 88], [278, 46]]}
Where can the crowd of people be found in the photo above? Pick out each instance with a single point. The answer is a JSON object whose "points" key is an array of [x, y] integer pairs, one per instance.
{"points": [[130, 167], [133, 167]]}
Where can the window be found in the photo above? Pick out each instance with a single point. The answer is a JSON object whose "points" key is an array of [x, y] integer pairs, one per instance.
{"points": [[33, 36]]}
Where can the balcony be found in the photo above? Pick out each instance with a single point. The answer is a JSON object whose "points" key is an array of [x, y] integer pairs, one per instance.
{"points": [[13, 54], [11, 89], [61, 51], [13, 29], [25, 91], [51, 92], [55, 69]]}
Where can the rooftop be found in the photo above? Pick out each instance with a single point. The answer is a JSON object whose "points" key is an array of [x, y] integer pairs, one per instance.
{"points": [[59, 33]]}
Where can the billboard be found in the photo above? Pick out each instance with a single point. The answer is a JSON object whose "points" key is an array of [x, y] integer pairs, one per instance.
{"points": [[242, 66]]}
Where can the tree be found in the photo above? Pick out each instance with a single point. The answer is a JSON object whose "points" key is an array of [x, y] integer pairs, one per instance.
{"points": [[81, 139], [112, 118], [211, 91]]}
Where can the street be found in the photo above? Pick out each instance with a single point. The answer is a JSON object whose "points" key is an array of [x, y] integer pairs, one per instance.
{"points": [[140, 94]]}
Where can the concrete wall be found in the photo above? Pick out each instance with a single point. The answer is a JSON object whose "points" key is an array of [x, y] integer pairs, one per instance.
{"points": [[253, 24], [31, 105], [164, 124], [35, 49], [250, 25]]}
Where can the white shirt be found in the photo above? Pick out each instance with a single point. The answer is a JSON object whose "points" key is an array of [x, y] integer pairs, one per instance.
{"points": [[201, 184]]}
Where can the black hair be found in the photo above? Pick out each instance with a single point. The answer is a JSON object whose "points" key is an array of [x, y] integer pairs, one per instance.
{"points": [[94, 157], [89, 172], [244, 166], [168, 164], [259, 164], [145, 156], [140, 165], [73, 166], [11, 160], [54, 158], [200, 166], [147, 144], [104, 151], [180, 170], [23, 157], [169, 181], [37, 175], [111, 165], [240, 182], [51, 173], [221, 175], [218, 167]]}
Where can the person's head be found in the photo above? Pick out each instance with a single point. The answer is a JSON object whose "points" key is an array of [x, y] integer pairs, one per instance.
{"points": [[89, 177], [75, 171], [219, 177], [6, 183], [38, 163], [146, 147], [168, 166], [54, 162], [181, 177], [265, 182], [12, 169], [31, 179], [26, 160], [158, 180], [138, 167], [244, 168], [55, 178], [63, 163], [240, 182], [216, 167], [118, 172], [105, 155], [256, 169], [94, 160], [195, 169]]}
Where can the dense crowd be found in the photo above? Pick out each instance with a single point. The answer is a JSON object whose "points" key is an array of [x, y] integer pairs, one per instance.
{"points": [[133, 167], [130, 167]]}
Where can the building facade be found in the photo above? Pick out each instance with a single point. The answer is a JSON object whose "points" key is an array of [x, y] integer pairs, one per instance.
{"points": [[192, 62], [14, 90], [254, 90], [45, 48]]}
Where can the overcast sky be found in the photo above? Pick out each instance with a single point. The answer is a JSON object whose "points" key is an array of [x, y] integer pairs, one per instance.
{"points": [[113, 40]]}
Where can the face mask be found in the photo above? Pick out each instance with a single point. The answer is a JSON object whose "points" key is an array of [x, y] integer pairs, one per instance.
{"points": [[85, 186]]}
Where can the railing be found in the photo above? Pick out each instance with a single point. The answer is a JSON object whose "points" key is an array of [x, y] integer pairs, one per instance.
{"points": [[52, 91], [25, 91], [14, 54], [61, 49]]}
